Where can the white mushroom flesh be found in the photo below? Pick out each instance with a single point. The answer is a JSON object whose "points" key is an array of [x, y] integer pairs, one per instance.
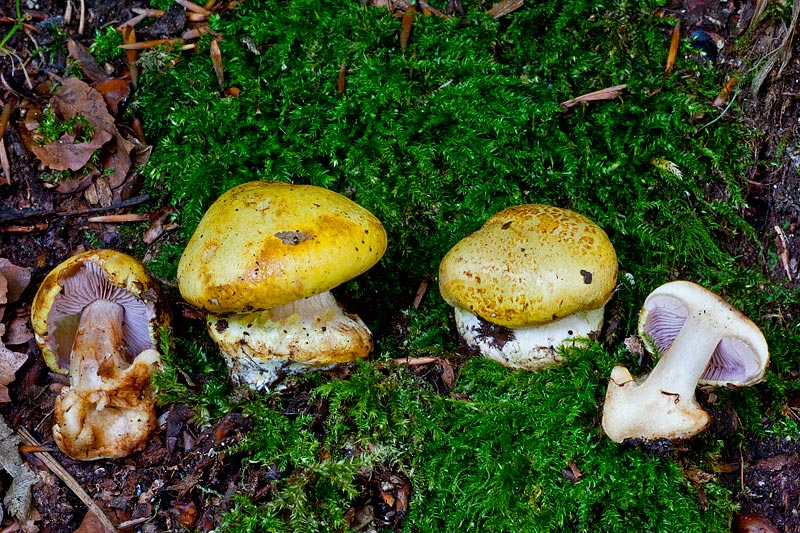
{"points": [[263, 346], [529, 348]]}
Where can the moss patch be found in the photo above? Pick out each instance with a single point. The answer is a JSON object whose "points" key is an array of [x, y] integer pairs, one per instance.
{"points": [[433, 140]]}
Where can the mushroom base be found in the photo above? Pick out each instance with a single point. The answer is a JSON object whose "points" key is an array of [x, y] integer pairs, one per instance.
{"points": [[529, 348], [110, 417], [638, 409], [312, 333]]}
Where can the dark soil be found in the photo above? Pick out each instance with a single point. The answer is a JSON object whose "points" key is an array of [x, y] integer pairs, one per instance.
{"points": [[41, 226]]}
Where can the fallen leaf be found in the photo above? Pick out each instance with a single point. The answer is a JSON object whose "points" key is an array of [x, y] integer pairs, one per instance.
{"points": [[406, 24], [76, 98], [92, 524], [505, 7], [725, 94], [673, 49], [17, 279], [609, 93], [115, 92], [216, 62], [19, 495], [89, 66]]}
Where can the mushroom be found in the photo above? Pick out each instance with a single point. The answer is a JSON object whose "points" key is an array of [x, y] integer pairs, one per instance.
{"points": [[701, 339], [262, 262], [532, 279], [96, 317]]}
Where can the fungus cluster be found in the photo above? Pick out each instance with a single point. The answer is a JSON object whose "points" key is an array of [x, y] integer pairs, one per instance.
{"points": [[96, 317], [262, 262]]}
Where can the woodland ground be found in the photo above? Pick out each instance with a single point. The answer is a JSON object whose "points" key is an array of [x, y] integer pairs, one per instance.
{"points": [[41, 226]]}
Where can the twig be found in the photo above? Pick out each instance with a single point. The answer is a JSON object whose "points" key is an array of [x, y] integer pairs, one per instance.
{"points": [[609, 93], [13, 215], [113, 219], [82, 22], [68, 480], [194, 8], [423, 288], [4, 164]]}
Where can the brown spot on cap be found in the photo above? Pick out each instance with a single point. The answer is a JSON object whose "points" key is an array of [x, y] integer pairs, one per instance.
{"points": [[292, 237], [587, 276]]}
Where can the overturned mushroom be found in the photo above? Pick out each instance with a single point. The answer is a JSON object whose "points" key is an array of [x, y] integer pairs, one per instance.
{"points": [[96, 316], [532, 279], [262, 262], [702, 339]]}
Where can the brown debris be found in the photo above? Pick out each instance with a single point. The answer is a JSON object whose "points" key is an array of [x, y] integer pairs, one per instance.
{"points": [[503, 8], [673, 49], [76, 99], [609, 93], [406, 23]]}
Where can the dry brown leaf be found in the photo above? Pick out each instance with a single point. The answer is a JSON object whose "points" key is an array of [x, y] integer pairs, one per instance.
{"points": [[17, 279], [118, 158], [407, 23], [216, 62], [76, 98], [92, 524], [114, 91], [725, 94], [673, 49], [500, 9], [18, 497], [609, 93], [89, 65], [18, 331]]}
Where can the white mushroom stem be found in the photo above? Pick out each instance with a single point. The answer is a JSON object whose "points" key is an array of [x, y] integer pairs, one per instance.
{"points": [[261, 346], [529, 348], [109, 408], [98, 346]]}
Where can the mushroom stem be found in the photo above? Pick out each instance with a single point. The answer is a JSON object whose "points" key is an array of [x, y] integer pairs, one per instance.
{"points": [[99, 344], [679, 370], [262, 346], [109, 408]]}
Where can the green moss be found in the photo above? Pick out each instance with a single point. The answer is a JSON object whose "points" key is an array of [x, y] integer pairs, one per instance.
{"points": [[433, 140]]}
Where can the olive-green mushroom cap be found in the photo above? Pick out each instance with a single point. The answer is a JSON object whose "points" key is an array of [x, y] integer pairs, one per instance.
{"points": [[530, 264], [263, 244]]}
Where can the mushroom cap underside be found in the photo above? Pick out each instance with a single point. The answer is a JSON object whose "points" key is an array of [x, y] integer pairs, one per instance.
{"points": [[264, 244], [83, 278], [741, 356], [530, 264]]}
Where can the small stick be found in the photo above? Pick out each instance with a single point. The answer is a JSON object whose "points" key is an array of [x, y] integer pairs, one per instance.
{"points": [[415, 361], [82, 22], [128, 217], [216, 62], [423, 288], [149, 44], [194, 8], [24, 229], [4, 164], [68, 480], [10, 215], [609, 93], [155, 13]]}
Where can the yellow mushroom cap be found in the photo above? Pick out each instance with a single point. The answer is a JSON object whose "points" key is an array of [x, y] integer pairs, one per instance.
{"points": [[264, 244], [530, 264]]}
